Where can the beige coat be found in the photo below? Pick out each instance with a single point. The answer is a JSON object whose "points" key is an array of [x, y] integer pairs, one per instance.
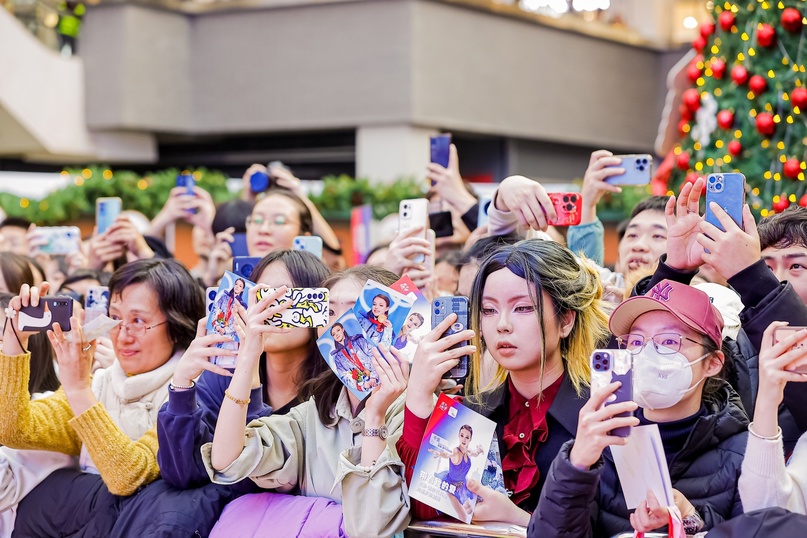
{"points": [[296, 450]]}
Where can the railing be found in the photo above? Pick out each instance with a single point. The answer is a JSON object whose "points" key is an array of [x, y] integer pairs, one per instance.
{"points": [[55, 23]]}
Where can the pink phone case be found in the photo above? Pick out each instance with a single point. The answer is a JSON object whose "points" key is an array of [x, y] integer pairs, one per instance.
{"points": [[781, 333], [568, 207]]}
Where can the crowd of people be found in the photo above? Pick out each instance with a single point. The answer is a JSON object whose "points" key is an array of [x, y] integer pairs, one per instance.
{"points": [[141, 434]]}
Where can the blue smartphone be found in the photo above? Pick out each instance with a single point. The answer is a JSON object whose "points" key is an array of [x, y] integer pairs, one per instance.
{"points": [[728, 191], [607, 366], [482, 217], [308, 243], [187, 181], [259, 182], [243, 266], [440, 146], [441, 308], [106, 211], [638, 170], [239, 245]]}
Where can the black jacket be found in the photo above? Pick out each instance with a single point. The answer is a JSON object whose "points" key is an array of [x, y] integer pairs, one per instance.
{"points": [[577, 503], [561, 420]]}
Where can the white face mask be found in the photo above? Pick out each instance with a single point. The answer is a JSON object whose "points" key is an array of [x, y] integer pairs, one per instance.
{"points": [[661, 381]]}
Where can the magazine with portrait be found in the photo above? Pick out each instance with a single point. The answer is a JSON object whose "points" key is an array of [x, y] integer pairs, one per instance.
{"points": [[348, 353], [381, 312], [233, 290], [454, 450], [418, 322]]}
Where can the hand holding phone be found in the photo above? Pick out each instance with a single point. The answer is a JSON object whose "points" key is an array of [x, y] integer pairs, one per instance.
{"points": [[638, 170], [50, 310], [781, 333], [106, 212], [608, 366], [568, 208], [441, 308], [727, 191], [414, 214], [187, 182]]}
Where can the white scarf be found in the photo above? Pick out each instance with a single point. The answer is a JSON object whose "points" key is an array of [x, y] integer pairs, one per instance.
{"points": [[131, 401]]}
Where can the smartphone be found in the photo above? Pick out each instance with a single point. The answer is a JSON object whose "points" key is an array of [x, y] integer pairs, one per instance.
{"points": [[49, 311], [442, 223], [482, 217], [440, 146], [568, 208], [309, 243], [106, 211], [187, 181], [728, 191], [441, 308], [411, 214], [244, 266], [607, 366], [308, 309], [239, 245], [60, 240], [780, 333], [96, 303], [638, 170]]}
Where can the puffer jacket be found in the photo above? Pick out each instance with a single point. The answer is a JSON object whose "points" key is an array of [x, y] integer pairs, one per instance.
{"points": [[577, 503]]}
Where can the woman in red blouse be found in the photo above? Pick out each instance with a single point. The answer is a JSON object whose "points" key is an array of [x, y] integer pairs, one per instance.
{"points": [[537, 309]]}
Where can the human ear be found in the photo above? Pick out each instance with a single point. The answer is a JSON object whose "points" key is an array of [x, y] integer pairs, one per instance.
{"points": [[714, 364], [567, 323]]}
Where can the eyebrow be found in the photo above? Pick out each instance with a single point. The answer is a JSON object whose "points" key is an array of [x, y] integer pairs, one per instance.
{"points": [[512, 299], [657, 226], [795, 255]]}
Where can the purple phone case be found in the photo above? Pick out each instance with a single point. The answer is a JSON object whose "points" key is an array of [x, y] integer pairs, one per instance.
{"points": [[440, 148], [638, 170], [441, 308], [728, 191], [602, 364], [34, 318]]}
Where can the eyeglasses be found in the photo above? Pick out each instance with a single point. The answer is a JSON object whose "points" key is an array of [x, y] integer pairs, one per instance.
{"points": [[136, 328], [665, 344], [259, 221]]}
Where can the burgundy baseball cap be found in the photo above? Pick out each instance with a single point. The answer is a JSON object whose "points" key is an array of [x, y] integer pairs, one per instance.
{"points": [[690, 305]]}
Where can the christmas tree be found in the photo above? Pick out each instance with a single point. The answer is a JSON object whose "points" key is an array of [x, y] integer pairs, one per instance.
{"points": [[747, 108]]}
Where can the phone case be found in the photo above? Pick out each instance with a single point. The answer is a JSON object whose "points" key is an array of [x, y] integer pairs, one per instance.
{"points": [[106, 211], [308, 243], [239, 245], [244, 265], [442, 223], [259, 182], [568, 207], [638, 170], [49, 311], [96, 303], [780, 333], [607, 366], [411, 214], [61, 240], [309, 308], [187, 181], [210, 298], [728, 190], [441, 308], [440, 146], [482, 217]]}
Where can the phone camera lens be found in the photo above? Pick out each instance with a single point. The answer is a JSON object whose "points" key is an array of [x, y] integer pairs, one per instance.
{"points": [[597, 367], [565, 198], [718, 187], [405, 214]]}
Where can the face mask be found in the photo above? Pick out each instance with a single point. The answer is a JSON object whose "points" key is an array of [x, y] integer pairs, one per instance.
{"points": [[661, 381]]}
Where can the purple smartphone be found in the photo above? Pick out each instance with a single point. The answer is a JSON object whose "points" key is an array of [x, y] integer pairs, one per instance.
{"points": [[49, 311], [607, 366], [638, 170], [728, 191]]}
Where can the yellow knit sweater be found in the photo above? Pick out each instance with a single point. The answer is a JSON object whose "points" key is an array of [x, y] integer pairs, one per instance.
{"points": [[49, 424]]}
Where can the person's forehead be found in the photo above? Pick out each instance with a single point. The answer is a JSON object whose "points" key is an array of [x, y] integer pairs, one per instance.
{"points": [[649, 218], [793, 251]]}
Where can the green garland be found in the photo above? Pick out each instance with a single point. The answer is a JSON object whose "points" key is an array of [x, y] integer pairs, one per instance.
{"points": [[342, 193]]}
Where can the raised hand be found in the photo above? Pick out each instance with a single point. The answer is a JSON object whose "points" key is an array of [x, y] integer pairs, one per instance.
{"points": [[527, 199], [733, 250], [74, 357], [15, 341], [601, 166], [393, 376], [684, 251], [196, 358]]}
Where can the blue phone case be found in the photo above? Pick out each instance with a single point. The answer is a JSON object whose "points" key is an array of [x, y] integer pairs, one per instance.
{"points": [[728, 191], [244, 265], [441, 308], [638, 170], [106, 211], [259, 182], [440, 149], [239, 245]]}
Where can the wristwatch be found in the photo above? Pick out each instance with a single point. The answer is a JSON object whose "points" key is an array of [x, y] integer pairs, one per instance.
{"points": [[381, 432], [692, 523]]}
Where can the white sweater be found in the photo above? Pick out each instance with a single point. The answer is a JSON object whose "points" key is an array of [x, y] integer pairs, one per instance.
{"points": [[766, 482]]}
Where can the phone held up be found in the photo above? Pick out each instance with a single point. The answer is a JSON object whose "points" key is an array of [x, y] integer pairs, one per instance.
{"points": [[728, 191], [779, 334], [414, 213], [607, 366], [187, 182], [568, 208], [50, 310], [263, 181], [106, 211], [638, 170], [441, 308]]}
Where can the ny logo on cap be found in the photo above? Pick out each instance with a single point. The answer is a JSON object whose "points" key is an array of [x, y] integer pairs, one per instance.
{"points": [[661, 291]]}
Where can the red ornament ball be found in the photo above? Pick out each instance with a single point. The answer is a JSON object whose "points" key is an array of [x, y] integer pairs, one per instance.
{"points": [[708, 28], [791, 20], [685, 113], [735, 148], [799, 97], [692, 99], [718, 68], [693, 73], [699, 43], [726, 20], [766, 35], [725, 119], [792, 168], [803, 201], [782, 204], [683, 160], [765, 124], [758, 84], [739, 75], [681, 125]]}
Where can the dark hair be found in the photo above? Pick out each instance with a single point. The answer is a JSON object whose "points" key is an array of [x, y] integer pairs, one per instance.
{"points": [[327, 387], [654, 203], [726, 374], [417, 315], [306, 271], [86, 274], [785, 229], [621, 228], [16, 222], [232, 214], [452, 257], [468, 428], [43, 375], [485, 246], [384, 297], [179, 296], [16, 271], [336, 325], [241, 280], [306, 221]]}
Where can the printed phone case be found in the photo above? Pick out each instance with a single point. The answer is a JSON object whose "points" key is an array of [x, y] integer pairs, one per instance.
{"points": [[728, 191], [106, 211], [245, 265], [780, 333], [441, 308], [61, 240], [309, 308], [308, 243], [96, 303], [49, 311], [638, 170], [411, 214], [568, 207], [607, 366]]}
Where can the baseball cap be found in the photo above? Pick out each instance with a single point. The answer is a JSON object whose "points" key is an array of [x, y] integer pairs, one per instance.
{"points": [[691, 306]]}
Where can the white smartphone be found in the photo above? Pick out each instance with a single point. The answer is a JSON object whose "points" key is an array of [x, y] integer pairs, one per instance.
{"points": [[309, 243], [411, 214]]}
